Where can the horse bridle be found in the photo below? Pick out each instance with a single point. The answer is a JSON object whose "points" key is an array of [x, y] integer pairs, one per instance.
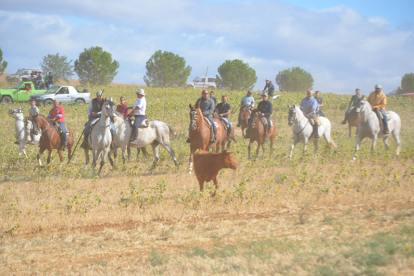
{"points": [[361, 108], [293, 119], [242, 115], [194, 116]]}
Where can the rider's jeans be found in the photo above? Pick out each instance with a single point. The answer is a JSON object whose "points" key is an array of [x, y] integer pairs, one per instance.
{"points": [[385, 117], [64, 131]]}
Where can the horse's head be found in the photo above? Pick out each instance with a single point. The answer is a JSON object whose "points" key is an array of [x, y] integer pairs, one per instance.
{"points": [[109, 109], [36, 124], [195, 116], [16, 112], [359, 106], [244, 112], [292, 114], [254, 117]]}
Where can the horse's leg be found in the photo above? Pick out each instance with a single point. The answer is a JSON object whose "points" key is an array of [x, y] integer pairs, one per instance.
{"points": [[103, 159], [171, 152], [385, 140], [249, 148], [155, 146], [305, 145], [60, 155], [358, 145], [49, 156], [258, 148], [190, 161], [374, 140], [124, 154], [38, 156], [86, 158], [396, 135], [263, 149], [350, 130], [95, 156], [295, 141], [272, 139], [110, 157], [315, 145]]}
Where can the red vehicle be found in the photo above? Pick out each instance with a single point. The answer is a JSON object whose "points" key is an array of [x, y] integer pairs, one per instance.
{"points": [[409, 95]]}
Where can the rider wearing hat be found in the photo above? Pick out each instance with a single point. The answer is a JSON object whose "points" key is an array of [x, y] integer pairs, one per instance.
{"points": [[309, 105], [94, 112], [247, 101], [138, 112], [378, 100], [270, 88]]}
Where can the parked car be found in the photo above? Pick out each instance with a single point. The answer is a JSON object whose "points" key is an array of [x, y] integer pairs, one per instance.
{"points": [[198, 82], [19, 92], [22, 75], [65, 94]]}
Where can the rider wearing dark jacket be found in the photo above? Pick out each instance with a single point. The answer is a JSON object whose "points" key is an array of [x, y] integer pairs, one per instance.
{"points": [[270, 88], [266, 108]]}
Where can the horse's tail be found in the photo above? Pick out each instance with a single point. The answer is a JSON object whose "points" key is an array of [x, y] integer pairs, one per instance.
{"points": [[173, 134], [332, 143]]}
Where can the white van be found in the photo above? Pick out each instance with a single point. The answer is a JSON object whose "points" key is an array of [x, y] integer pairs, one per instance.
{"points": [[198, 82]]}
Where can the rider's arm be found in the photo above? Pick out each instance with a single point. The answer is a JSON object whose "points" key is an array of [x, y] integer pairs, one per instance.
{"points": [[227, 113]]}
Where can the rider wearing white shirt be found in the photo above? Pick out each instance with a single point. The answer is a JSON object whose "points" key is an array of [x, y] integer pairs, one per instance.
{"points": [[139, 113]]}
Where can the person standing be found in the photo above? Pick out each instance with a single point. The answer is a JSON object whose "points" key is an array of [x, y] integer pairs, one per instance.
{"points": [[39, 80], [47, 80], [213, 98], [57, 113], [309, 106], [50, 79], [123, 108], [378, 101], [247, 101], [270, 88], [223, 110], [319, 99], [139, 113], [353, 101]]}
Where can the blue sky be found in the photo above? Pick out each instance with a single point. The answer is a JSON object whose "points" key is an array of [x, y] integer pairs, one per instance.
{"points": [[343, 44]]}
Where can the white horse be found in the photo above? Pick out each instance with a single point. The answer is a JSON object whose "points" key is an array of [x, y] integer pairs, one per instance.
{"points": [[21, 130], [302, 130], [100, 137], [370, 126], [157, 133]]}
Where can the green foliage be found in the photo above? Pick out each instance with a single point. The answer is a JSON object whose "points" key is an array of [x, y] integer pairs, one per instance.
{"points": [[96, 67], [165, 69], [295, 79], [407, 84], [60, 67], [236, 75], [3, 64]]}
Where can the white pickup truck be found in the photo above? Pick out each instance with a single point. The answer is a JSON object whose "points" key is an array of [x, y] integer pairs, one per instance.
{"points": [[65, 94]]}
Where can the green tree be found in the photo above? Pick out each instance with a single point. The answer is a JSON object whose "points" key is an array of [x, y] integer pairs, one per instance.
{"points": [[60, 67], [96, 67], [407, 84], [3, 64], [295, 79], [166, 69], [236, 75]]}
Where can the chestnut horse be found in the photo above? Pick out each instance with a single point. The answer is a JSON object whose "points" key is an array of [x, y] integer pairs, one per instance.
{"points": [[244, 117], [200, 134], [353, 120], [50, 138], [256, 132]]}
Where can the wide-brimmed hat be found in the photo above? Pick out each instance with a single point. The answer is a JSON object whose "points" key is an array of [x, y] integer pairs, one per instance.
{"points": [[141, 92], [99, 93]]}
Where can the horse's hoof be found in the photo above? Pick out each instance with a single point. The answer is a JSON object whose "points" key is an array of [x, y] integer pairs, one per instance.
{"points": [[353, 159]]}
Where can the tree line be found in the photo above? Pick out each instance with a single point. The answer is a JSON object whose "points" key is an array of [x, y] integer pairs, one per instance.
{"points": [[165, 69]]}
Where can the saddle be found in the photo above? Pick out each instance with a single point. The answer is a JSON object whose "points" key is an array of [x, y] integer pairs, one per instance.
{"points": [[209, 124], [144, 123], [312, 122], [264, 121], [225, 123], [59, 128], [381, 117]]}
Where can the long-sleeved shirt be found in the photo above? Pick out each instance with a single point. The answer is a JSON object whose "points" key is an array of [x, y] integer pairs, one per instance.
{"points": [[265, 107], [34, 110], [269, 86], [123, 109], [58, 112], [308, 103], [377, 100], [207, 107], [248, 101]]}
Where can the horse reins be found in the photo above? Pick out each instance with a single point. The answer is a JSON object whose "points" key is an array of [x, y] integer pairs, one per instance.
{"points": [[303, 127]]}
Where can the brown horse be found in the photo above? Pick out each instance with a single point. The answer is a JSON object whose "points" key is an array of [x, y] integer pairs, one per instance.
{"points": [[50, 138], [256, 132], [200, 134], [353, 120], [244, 117]]}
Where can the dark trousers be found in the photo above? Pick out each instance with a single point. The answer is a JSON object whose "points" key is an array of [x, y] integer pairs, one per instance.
{"points": [[138, 120]]}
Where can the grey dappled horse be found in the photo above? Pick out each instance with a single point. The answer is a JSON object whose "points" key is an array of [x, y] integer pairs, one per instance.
{"points": [[370, 127], [302, 130]]}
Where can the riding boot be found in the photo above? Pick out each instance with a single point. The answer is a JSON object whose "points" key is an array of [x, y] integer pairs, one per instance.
{"points": [[213, 138], [386, 131], [131, 139], [266, 133], [315, 130], [228, 133], [135, 138], [32, 142], [85, 141]]}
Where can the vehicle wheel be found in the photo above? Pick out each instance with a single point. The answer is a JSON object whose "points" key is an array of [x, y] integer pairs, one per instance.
{"points": [[80, 101], [48, 102], [6, 100]]}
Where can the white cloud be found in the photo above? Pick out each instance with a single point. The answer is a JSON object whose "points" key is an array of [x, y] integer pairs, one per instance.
{"points": [[340, 47]]}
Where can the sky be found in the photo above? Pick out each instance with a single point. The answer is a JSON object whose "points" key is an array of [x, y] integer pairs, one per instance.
{"points": [[343, 44]]}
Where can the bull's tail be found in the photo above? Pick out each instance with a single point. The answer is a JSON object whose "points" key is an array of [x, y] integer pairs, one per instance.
{"points": [[173, 134], [332, 143]]}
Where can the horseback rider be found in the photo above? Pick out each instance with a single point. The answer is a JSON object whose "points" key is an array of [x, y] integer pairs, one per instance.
{"points": [[309, 106], [94, 112], [319, 99], [353, 101], [207, 108], [123, 108], [33, 111], [247, 101], [223, 110], [139, 113], [378, 100], [213, 98], [270, 88], [265, 109], [56, 114]]}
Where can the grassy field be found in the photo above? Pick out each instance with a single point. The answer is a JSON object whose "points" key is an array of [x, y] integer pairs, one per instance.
{"points": [[281, 216]]}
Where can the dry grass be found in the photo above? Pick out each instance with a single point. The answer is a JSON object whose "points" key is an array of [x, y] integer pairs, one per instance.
{"points": [[328, 216]]}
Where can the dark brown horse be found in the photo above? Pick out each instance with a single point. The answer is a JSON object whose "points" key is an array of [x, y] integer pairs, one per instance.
{"points": [[256, 132], [50, 138], [353, 120], [244, 117], [200, 134]]}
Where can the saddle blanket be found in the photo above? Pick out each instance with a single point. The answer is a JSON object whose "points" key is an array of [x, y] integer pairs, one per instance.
{"points": [[318, 121], [388, 115], [264, 122], [209, 124], [144, 123]]}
